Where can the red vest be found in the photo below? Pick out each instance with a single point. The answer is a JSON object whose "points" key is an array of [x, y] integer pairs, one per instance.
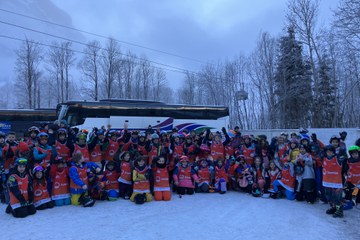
{"points": [[161, 179], [142, 186], [84, 151], [111, 150], [178, 150], [112, 180], [248, 154], [46, 161], [332, 173], [82, 175], [232, 169], [9, 162], [354, 173], [190, 149], [220, 173], [273, 175], [287, 179], [60, 186], [63, 151], [155, 152], [281, 152], [217, 150], [204, 175], [229, 149], [23, 184], [125, 173], [41, 194], [96, 154]]}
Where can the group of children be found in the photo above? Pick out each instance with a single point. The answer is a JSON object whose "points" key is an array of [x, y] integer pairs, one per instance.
{"points": [[56, 167]]}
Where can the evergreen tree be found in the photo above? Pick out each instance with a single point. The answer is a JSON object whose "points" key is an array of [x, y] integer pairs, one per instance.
{"points": [[292, 84], [324, 106]]}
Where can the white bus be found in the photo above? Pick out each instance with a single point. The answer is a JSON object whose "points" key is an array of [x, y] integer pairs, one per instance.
{"points": [[140, 114]]}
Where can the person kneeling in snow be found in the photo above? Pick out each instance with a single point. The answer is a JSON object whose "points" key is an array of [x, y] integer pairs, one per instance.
{"points": [[205, 174], [221, 178], [21, 191], [287, 181], [111, 175], [141, 189], [161, 179], [79, 182], [42, 197], [183, 176]]}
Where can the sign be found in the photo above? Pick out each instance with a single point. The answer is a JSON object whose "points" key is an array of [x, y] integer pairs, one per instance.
{"points": [[5, 126]]}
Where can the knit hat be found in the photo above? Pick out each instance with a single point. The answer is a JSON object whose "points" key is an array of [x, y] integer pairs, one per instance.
{"points": [[23, 147]]}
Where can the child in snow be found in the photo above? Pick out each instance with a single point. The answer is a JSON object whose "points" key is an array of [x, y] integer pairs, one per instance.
{"points": [[305, 176], [205, 174], [244, 175], [20, 188], [220, 178], [42, 198], [125, 180], [112, 175], [61, 144], [59, 173], [353, 174], [271, 175], [9, 150], [161, 179], [332, 181], [183, 175], [259, 179], [231, 166], [140, 176], [43, 153], [97, 183], [287, 181], [293, 150], [79, 183]]}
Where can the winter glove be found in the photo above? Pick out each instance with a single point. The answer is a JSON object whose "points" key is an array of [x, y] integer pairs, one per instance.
{"points": [[141, 177], [223, 130]]}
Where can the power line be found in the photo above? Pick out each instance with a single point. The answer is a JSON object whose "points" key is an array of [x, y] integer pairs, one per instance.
{"points": [[77, 51], [85, 44], [102, 36]]}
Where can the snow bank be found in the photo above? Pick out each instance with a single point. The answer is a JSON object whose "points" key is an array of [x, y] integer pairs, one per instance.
{"points": [[202, 216]]}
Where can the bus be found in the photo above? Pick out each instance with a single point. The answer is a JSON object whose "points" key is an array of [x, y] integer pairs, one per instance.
{"points": [[19, 120], [142, 115]]}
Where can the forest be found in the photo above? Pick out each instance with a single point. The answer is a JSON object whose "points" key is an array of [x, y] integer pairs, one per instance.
{"points": [[306, 76]]}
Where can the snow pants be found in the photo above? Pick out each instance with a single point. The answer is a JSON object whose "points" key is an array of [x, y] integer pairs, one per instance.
{"points": [[162, 195], [148, 196], [25, 211], [62, 202], [290, 195]]}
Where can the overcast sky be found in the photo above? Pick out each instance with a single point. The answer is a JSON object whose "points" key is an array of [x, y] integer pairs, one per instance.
{"points": [[205, 30]]}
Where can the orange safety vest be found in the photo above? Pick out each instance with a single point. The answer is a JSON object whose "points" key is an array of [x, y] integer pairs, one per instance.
{"points": [[229, 149], [155, 152], [63, 151], [247, 152], [287, 179], [41, 194], [142, 186], [84, 151], [178, 150], [96, 154], [161, 179], [190, 149], [217, 150], [82, 172], [9, 162], [282, 149], [46, 161], [332, 173], [142, 150], [220, 173], [111, 150], [125, 173], [273, 176], [60, 187], [112, 180], [354, 173], [23, 184], [204, 175]]}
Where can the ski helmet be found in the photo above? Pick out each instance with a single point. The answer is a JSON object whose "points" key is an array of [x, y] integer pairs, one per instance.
{"points": [[21, 162], [354, 149]]}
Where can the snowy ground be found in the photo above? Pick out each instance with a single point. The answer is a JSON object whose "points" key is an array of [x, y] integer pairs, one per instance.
{"points": [[202, 216]]}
